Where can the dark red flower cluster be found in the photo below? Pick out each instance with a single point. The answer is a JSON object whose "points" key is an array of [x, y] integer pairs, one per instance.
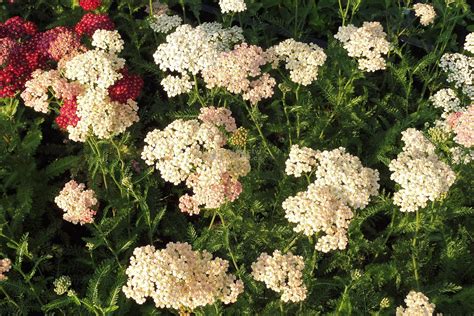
{"points": [[90, 5], [68, 114], [91, 22], [129, 87], [20, 56]]}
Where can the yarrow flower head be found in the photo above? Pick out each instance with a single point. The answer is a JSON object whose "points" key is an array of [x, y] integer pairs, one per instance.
{"points": [[91, 22], [62, 284], [164, 23], [77, 203], [460, 71], [419, 172], [179, 277], [447, 100], [303, 60], [239, 72], [341, 183], [464, 128], [469, 43], [176, 85], [192, 152], [367, 43], [5, 266], [425, 12], [232, 6], [417, 304], [190, 50], [283, 273]]}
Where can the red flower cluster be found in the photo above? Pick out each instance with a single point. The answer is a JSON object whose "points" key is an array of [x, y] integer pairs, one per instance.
{"points": [[67, 114], [20, 56], [129, 87], [91, 22], [90, 5]]}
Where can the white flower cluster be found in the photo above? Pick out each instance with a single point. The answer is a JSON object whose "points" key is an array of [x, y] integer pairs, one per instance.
{"points": [[5, 266], [366, 43], [417, 305], [62, 284], [460, 71], [178, 277], [192, 151], [176, 85], [97, 70], [447, 100], [341, 183], [419, 172], [425, 12], [161, 22], [77, 203], [191, 50], [232, 6], [469, 43], [301, 160], [303, 60], [282, 274], [461, 155]]}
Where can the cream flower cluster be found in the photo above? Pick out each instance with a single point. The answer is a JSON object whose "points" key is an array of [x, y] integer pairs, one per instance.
{"points": [[36, 90], [417, 305], [176, 85], [232, 6], [190, 50], [62, 284], [425, 12], [178, 277], [77, 203], [469, 43], [367, 43], [161, 22], [460, 71], [447, 100], [419, 172], [97, 70], [303, 60], [236, 71], [283, 273], [192, 151], [341, 183], [5, 266], [301, 160]]}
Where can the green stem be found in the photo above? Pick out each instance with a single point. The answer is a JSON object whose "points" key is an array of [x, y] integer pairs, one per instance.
{"points": [[290, 244], [108, 245], [196, 90], [212, 220], [9, 298], [413, 257], [264, 140], [297, 96]]}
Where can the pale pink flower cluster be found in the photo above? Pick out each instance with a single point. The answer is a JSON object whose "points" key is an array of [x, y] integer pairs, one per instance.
{"points": [[178, 277], [460, 71], [77, 203], [367, 43], [65, 46], [341, 183], [468, 44], [5, 266], [232, 6], [303, 60], [417, 305], [36, 90], [190, 50], [425, 12], [463, 127], [192, 152], [283, 273], [419, 172], [239, 71]]}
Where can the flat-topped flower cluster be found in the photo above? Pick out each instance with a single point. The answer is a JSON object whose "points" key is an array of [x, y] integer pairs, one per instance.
{"points": [[193, 152], [77, 203]]}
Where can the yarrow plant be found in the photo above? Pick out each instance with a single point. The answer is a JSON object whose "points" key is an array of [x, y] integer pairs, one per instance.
{"points": [[283, 273], [193, 152], [417, 304], [341, 183], [419, 172], [178, 277], [367, 44], [77, 203]]}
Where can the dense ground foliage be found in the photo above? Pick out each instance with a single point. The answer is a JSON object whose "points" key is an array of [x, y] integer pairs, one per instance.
{"points": [[374, 221]]}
